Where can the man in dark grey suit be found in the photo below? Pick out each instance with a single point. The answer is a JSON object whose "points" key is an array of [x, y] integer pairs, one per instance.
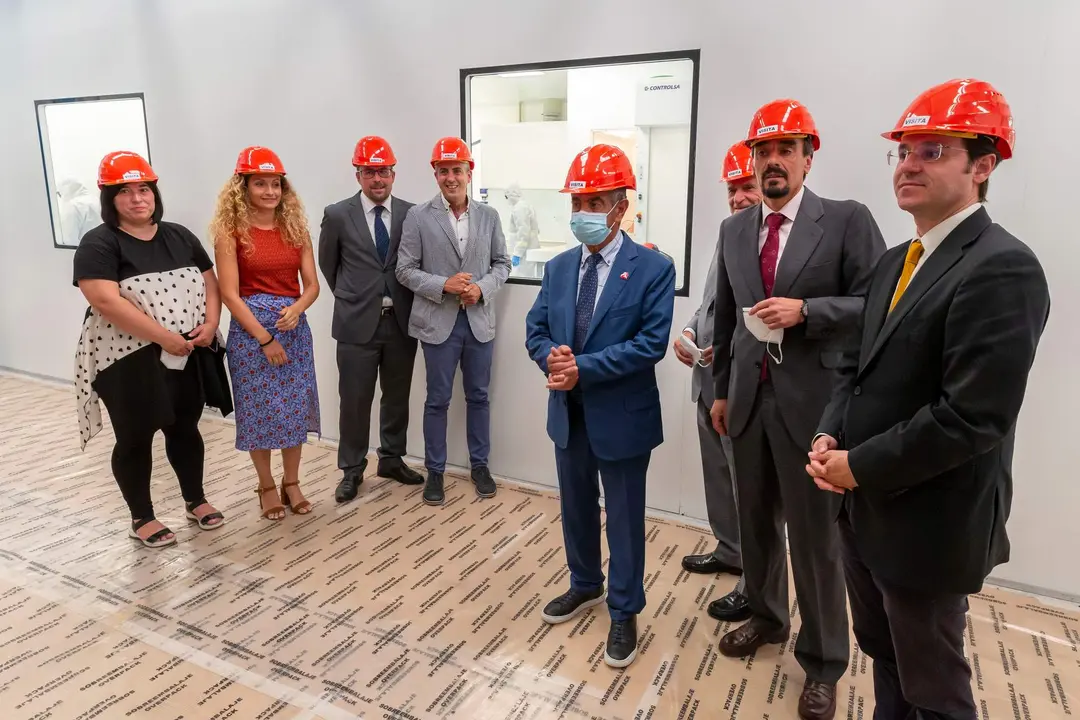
{"points": [[453, 256], [919, 437], [791, 280], [716, 462], [358, 251]]}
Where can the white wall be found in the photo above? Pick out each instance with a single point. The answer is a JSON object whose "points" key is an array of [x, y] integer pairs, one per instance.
{"points": [[855, 66]]}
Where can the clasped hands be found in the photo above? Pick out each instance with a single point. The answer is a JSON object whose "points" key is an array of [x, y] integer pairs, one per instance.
{"points": [[461, 285], [829, 467], [562, 369]]}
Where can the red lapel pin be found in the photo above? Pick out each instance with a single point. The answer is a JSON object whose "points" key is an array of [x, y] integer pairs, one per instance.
{"points": [[625, 275]]}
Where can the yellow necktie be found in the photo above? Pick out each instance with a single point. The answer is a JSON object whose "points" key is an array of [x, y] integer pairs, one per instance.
{"points": [[914, 252]]}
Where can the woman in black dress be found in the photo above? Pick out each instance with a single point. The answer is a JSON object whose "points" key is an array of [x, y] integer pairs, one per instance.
{"points": [[153, 302]]}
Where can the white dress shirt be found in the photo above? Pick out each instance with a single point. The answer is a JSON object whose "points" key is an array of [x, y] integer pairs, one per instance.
{"points": [[789, 211], [460, 224], [369, 215], [935, 235], [603, 267]]}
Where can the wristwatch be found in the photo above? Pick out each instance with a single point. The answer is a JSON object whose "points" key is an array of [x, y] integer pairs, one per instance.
{"points": [[805, 309]]}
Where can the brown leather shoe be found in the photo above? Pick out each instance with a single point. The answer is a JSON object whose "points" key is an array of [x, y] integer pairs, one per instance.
{"points": [[818, 701], [747, 638]]}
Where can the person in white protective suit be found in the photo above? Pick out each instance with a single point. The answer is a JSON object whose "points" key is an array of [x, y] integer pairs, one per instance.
{"points": [[79, 211], [524, 232]]}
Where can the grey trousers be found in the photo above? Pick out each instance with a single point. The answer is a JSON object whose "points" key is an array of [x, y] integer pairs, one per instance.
{"points": [[774, 489], [721, 502], [388, 358]]}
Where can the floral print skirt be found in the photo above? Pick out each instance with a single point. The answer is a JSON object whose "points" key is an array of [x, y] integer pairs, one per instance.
{"points": [[276, 407]]}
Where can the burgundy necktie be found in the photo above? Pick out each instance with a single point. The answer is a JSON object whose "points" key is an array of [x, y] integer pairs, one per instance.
{"points": [[770, 253]]}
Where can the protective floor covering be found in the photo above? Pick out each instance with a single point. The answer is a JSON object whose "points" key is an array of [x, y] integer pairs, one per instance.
{"points": [[382, 608]]}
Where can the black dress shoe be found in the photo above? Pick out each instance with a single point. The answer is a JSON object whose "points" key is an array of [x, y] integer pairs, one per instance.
{"points": [[401, 472], [571, 604], [708, 565], [621, 643], [433, 489], [733, 607], [482, 480], [747, 638], [348, 487], [818, 701]]}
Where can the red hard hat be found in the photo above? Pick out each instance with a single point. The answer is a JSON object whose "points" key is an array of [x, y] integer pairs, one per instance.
{"points": [[373, 151], [599, 168], [960, 107], [451, 149], [782, 118], [256, 159], [738, 163], [124, 166]]}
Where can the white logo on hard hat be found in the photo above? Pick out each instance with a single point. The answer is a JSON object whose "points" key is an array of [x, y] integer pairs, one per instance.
{"points": [[733, 173], [577, 184], [768, 129], [133, 175], [267, 166], [449, 156], [913, 119]]}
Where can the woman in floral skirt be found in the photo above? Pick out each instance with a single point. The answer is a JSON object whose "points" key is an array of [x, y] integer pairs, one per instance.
{"points": [[262, 246]]}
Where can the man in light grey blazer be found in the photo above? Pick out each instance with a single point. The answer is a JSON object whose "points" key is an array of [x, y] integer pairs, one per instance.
{"points": [[358, 252], [716, 461], [453, 257], [791, 280]]}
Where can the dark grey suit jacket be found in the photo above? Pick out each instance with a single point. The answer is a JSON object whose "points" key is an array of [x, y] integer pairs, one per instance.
{"points": [[350, 263], [702, 323], [828, 260]]}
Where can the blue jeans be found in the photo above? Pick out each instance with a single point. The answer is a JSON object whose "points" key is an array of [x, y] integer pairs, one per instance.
{"points": [[441, 362]]}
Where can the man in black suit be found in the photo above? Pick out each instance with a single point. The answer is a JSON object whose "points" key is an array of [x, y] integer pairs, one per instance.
{"points": [[918, 438], [792, 275], [358, 251]]}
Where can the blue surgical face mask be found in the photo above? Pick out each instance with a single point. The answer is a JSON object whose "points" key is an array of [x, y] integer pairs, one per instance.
{"points": [[590, 228]]}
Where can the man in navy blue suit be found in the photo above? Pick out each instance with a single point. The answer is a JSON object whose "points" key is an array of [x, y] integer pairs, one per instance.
{"points": [[600, 324]]}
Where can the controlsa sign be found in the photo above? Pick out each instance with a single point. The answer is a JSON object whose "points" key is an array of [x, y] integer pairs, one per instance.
{"points": [[663, 100]]}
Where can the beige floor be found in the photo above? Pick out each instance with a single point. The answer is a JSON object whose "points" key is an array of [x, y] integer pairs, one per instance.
{"points": [[383, 608]]}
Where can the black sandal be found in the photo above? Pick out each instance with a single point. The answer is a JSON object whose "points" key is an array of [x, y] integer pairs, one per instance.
{"points": [[157, 540], [205, 521]]}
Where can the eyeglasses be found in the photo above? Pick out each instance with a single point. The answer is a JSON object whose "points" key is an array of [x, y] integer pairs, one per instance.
{"points": [[926, 152], [383, 172]]}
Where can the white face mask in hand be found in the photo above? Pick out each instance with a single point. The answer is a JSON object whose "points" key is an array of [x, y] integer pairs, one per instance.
{"points": [[761, 331]]}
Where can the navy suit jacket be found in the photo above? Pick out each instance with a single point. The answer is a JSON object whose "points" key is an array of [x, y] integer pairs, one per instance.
{"points": [[628, 336]]}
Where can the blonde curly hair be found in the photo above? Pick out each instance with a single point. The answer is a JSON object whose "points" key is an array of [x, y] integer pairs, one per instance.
{"points": [[231, 224]]}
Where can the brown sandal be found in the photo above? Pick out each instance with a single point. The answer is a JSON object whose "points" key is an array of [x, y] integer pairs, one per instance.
{"points": [[273, 510], [301, 508]]}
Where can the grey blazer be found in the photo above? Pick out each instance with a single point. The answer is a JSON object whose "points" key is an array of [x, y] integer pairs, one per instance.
{"points": [[829, 260], [429, 255], [701, 322], [350, 263]]}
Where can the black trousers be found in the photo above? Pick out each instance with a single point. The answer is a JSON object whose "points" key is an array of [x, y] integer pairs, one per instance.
{"points": [[916, 640], [132, 457], [387, 358]]}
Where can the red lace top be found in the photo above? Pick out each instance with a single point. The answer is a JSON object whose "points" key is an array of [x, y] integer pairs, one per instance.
{"points": [[270, 266]]}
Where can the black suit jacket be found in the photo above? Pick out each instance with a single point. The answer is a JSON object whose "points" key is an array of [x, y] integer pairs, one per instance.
{"points": [[928, 412], [828, 260], [350, 263]]}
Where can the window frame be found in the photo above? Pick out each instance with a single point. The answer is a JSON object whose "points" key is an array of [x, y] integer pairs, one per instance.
{"points": [[694, 56], [46, 170]]}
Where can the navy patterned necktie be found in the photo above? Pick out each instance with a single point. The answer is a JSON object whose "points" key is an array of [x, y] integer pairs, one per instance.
{"points": [[382, 237], [586, 302]]}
